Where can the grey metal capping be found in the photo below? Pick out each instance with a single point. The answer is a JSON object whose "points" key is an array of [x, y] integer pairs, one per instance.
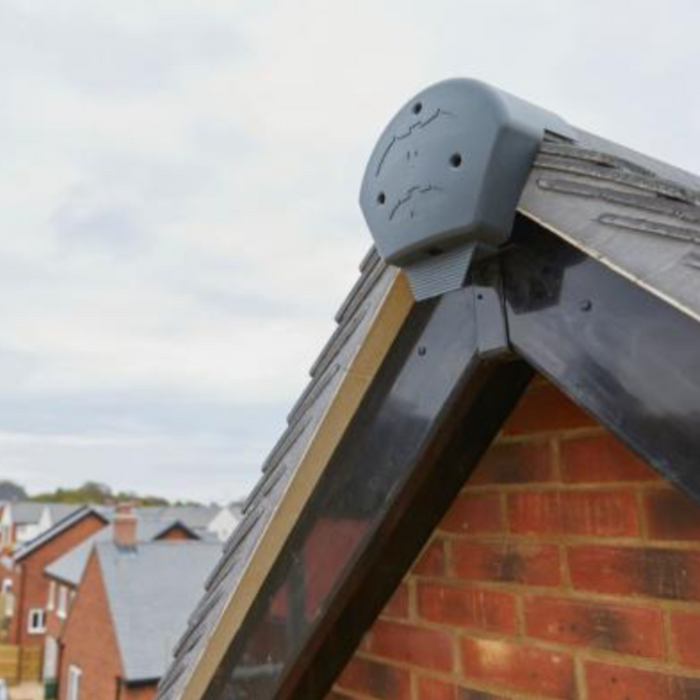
{"points": [[353, 321], [443, 181]]}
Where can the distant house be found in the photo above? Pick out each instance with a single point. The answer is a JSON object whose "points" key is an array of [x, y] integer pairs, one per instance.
{"points": [[23, 573], [23, 521], [65, 573], [217, 521], [130, 608]]}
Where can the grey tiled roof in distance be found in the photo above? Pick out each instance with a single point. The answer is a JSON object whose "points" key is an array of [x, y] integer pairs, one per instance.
{"points": [[30, 512], [70, 567], [27, 512], [353, 320], [58, 511], [151, 589], [197, 517]]}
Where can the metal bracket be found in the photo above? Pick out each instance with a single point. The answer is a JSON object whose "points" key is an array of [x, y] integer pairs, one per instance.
{"points": [[493, 341]]}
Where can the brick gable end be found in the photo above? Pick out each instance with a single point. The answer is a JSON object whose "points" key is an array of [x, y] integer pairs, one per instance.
{"points": [[566, 569]]}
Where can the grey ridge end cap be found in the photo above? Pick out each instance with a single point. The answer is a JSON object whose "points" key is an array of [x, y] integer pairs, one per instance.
{"points": [[445, 178]]}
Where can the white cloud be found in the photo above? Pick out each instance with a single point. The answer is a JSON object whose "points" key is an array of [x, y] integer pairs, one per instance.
{"points": [[178, 189]]}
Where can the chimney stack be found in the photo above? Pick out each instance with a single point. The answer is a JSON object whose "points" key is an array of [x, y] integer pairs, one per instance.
{"points": [[124, 525]]}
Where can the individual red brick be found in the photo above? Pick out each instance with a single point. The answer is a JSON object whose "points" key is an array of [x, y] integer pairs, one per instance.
{"points": [[375, 679], [600, 459], [507, 562], [593, 513], [434, 689], [625, 629], [671, 515], [467, 607], [545, 408], [660, 573], [515, 463], [543, 673], [608, 682], [428, 648], [474, 514], [685, 636], [432, 561]]}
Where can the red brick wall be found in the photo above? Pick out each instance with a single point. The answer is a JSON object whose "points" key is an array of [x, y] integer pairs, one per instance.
{"points": [[176, 533], [565, 569], [89, 641], [33, 587], [55, 623]]}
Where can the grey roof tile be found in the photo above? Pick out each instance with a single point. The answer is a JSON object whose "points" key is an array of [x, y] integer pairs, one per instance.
{"points": [[151, 590], [637, 215], [27, 512], [197, 517], [70, 567]]}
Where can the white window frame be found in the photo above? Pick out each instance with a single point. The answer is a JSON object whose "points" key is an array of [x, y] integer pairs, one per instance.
{"points": [[5, 535], [75, 674], [62, 607], [51, 600], [36, 621], [7, 585], [50, 658]]}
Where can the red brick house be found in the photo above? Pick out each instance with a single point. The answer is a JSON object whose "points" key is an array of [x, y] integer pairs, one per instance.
{"points": [[29, 585], [23, 521], [131, 605], [65, 573], [490, 488]]}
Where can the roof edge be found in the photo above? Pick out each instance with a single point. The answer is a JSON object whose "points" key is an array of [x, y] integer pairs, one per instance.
{"points": [[385, 326], [609, 263], [57, 529]]}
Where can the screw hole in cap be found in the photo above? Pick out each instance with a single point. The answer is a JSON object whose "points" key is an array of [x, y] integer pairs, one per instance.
{"points": [[381, 198], [417, 107], [456, 160]]}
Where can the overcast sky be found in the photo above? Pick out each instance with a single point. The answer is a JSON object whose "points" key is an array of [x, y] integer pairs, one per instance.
{"points": [[178, 188]]}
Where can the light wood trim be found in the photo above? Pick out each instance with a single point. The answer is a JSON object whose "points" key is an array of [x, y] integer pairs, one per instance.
{"points": [[383, 329]]}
